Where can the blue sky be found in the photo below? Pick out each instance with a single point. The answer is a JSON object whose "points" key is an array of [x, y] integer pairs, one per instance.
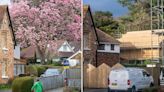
{"points": [[107, 5]]}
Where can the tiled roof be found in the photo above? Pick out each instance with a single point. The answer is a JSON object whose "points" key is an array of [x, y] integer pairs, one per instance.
{"points": [[30, 51], [104, 37]]}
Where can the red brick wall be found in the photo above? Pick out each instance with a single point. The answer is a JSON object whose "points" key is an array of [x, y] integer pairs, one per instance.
{"points": [[108, 58]]}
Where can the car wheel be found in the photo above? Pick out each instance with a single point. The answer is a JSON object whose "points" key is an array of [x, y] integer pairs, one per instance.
{"points": [[133, 89], [151, 84]]}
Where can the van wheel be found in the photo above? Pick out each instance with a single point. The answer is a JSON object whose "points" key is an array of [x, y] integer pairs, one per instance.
{"points": [[133, 89]]}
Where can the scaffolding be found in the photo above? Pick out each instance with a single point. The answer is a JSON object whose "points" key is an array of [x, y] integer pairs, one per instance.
{"points": [[157, 20]]}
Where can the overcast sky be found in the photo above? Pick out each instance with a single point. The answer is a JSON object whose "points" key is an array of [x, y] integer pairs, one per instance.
{"points": [[4, 2], [107, 5]]}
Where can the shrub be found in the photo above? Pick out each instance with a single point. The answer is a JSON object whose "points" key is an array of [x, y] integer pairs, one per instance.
{"points": [[32, 70], [35, 70], [22, 84], [40, 70], [57, 64]]}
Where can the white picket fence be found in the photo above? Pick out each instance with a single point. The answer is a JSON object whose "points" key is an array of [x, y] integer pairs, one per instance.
{"points": [[52, 82]]}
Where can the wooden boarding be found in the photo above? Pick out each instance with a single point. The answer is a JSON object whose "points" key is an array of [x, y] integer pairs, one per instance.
{"points": [[98, 77]]}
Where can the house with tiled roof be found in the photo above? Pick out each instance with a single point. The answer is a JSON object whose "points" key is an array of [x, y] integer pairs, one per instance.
{"points": [[98, 46], [63, 50], [7, 46]]}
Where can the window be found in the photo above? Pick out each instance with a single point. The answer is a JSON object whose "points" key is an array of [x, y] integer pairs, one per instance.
{"points": [[86, 41], [112, 46], [4, 39], [65, 47], [101, 47]]}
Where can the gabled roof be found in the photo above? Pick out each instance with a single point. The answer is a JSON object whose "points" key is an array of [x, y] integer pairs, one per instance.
{"points": [[104, 37], [86, 8], [4, 9]]}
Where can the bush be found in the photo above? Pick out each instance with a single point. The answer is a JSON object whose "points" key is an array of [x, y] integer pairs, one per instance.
{"points": [[32, 70], [22, 84], [152, 89], [57, 64], [40, 70], [134, 65], [35, 70]]}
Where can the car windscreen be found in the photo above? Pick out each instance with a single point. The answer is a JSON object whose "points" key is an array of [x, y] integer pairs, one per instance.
{"points": [[52, 72]]}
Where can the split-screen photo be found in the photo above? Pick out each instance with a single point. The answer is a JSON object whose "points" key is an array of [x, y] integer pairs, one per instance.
{"points": [[81, 45]]}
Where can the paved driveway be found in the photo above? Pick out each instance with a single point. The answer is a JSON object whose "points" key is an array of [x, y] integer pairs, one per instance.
{"points": [[55, 90], [5, 91], [95, 90]]}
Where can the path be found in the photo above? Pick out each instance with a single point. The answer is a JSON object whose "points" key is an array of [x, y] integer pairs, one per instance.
{"points": [[95, 90], [55, 90]]}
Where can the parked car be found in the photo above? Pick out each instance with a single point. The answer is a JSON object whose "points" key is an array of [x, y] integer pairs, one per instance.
{"points": [[129, 79], [51, 72]]}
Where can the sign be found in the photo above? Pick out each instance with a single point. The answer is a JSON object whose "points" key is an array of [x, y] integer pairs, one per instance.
{"points": [[65, 63], [66, 67]]}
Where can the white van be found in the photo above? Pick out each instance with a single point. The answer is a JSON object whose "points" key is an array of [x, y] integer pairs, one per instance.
{"points": [[129, 79]]}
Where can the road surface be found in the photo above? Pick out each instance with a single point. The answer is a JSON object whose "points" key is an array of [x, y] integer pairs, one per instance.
{"points": [[55, 90], [95, 90]]}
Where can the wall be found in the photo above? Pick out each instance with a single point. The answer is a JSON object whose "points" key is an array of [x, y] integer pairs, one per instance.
{"points": [[9, 56], [107, 58], [90, 53]]}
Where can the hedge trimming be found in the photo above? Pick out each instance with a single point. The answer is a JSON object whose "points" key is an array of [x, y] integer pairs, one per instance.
{"points": [[22, 84]]}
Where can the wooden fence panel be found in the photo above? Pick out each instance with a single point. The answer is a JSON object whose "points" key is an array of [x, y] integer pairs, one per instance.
{"points": [[92, 76], [103, 73], [98, 77]]}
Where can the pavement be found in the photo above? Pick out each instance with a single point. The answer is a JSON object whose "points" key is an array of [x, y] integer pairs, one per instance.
{"points": [[96, 90], [55, 90], [5, 90]]}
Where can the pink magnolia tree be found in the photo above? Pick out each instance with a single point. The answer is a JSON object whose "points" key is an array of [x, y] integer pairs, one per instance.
{"points": [[46, 23]]}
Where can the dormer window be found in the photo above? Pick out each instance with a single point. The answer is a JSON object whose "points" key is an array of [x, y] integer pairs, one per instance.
{"points": [[101, 47]]}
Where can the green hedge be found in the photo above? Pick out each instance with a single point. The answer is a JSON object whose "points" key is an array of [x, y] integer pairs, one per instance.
{"points": [[152, 89], [134, 65], [40, 70], [35, 70], [22, 84]]}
